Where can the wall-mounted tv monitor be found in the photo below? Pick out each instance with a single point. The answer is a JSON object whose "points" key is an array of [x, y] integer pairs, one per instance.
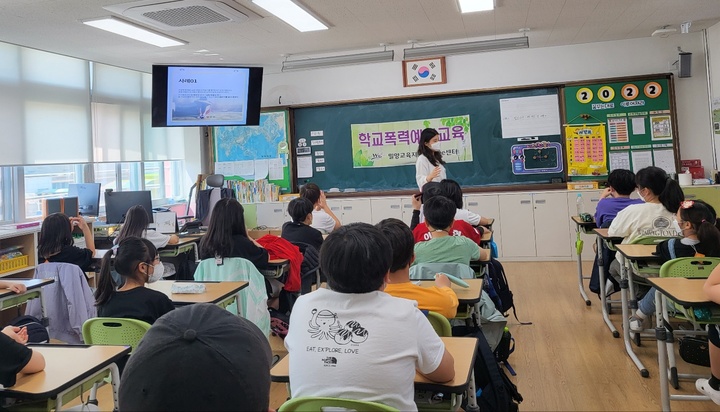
{"points": [[118, 203], [88, 195], [206, 95]]}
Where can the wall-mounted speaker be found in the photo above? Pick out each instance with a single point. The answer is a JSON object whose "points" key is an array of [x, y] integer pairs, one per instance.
{"points": [[685, 64]]}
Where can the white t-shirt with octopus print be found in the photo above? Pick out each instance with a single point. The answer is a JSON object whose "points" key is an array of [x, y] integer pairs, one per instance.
{"points": [[360, 346]]}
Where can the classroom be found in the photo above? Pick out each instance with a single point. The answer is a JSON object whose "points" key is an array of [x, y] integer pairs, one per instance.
{"points": [[78, 109]]}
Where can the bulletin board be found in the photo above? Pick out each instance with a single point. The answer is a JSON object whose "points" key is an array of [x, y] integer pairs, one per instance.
{"points": [[628, 123], [255, 152]]}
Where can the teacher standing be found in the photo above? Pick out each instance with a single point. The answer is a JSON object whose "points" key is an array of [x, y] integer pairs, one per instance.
{"points": [[429, 166]]}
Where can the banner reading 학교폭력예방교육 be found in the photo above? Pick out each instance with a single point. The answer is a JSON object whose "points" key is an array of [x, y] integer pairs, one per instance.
{"points": [[396, 143]]}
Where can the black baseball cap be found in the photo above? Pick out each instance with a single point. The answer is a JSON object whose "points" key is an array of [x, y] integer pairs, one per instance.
{"points": [[199, 357]]}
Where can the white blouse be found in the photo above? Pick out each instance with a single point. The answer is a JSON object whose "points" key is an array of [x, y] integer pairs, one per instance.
{"points": [[423, 168]]}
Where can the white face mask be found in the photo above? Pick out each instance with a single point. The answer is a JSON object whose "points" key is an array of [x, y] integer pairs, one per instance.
{"points": [[676, 226], [435, 146], [642, 197], [157, 273]]}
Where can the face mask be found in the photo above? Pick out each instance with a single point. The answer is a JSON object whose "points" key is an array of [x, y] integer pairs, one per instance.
{"points": [[676, 226], [157, 273], [642, 197], [435, 146]]}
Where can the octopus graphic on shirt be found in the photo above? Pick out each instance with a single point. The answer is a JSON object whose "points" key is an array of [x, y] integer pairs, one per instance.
{"points": [[325, 324]]}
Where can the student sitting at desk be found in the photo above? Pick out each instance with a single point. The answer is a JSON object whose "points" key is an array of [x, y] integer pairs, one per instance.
{"points": [[615, 197], [420, 230], [219, 362], [361, 342], [15, 357], [695, 221], [227, 237], [300, 229], [55, 242], [439, 298], [452, 190], [661, 197], [138, 263], [443, 247], [324, 219], [136, 224], [13, 286], [711, 387]]}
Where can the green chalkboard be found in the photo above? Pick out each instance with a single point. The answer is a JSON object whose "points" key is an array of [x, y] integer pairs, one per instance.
{"points": [[324, 133]]}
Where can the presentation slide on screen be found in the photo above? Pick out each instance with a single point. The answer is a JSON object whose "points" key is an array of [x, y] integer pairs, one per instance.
{"points": [[209, 95]]}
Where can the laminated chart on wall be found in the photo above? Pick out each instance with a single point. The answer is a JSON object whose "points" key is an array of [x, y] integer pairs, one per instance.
{"points": [[639, 119], [255, 152], [585, 145]]}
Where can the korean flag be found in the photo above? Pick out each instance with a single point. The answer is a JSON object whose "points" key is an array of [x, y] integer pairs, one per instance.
{"points": [[425, 71]]}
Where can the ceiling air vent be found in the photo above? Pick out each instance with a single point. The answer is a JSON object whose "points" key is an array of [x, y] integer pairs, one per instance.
{"points": [[174, 15]]}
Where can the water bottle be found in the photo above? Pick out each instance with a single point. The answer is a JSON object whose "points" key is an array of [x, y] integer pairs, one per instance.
{"points": [[579, 204]]}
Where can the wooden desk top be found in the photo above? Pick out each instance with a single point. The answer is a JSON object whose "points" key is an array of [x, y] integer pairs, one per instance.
{"points": [[687, 292], [278, 262], [30, 284], [467, 296], [486, 236], [636, 252], [463, 350], [587, 226], [186, 239], [215, 292], [65, 365]]}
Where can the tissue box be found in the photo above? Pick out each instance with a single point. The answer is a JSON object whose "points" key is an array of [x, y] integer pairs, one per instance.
{"points": [[696, 172], [187, 287]]}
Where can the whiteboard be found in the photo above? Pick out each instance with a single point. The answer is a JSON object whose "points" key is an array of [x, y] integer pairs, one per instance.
{"points": [[530, 116]]}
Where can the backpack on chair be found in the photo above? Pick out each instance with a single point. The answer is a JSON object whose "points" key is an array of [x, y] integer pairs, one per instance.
{"points": [[505, 302]]}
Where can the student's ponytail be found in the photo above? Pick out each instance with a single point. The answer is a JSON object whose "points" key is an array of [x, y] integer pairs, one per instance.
{"points": [[105, 284], [671, 195], [709, 237], [703, 218]]}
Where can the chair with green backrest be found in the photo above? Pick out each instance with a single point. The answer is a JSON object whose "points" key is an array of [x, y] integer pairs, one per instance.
{"points": [[318, 404], [427, 271], [440, 323], [641, 271], [114, 331], [693, 268]]}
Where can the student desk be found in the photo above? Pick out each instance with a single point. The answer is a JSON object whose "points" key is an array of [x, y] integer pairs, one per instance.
{"points": [[604, 239], [9, 299], [687, 292], [587, 228], [463, 351], [632, 253], [466, 296], [219, 293], [69, 371], [276, 268], [187, 243]]}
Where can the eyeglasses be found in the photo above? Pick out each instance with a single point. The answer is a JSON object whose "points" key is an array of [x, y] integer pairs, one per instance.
{"points": [[687, 204]]}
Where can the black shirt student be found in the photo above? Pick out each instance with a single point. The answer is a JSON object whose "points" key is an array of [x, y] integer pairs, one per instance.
{"points": [[244, 247], [300, 232], [140, 303], [72, 254], [13, 358]]}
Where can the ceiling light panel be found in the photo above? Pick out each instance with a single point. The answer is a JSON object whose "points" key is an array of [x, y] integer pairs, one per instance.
{"points": [[123, 28], [470, 6], [292, 14]]}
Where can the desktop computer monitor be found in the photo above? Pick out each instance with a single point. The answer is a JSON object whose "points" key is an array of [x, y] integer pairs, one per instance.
{"points": [[88, 195], [118, 203]]}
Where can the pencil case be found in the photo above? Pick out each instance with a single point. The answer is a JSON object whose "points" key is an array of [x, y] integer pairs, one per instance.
{"points": [[188, 287]]}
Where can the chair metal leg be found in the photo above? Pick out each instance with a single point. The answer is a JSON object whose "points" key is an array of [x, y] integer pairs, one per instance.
{"points": [[603, 292], [625, 273]]}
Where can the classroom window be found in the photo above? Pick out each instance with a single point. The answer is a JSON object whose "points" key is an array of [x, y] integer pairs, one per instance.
{"points": [[44, 182], [164, 180]]}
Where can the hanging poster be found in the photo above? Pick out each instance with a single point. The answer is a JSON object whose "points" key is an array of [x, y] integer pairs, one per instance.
{"points": [[661, 127], [585, 146], [395, 143]]}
